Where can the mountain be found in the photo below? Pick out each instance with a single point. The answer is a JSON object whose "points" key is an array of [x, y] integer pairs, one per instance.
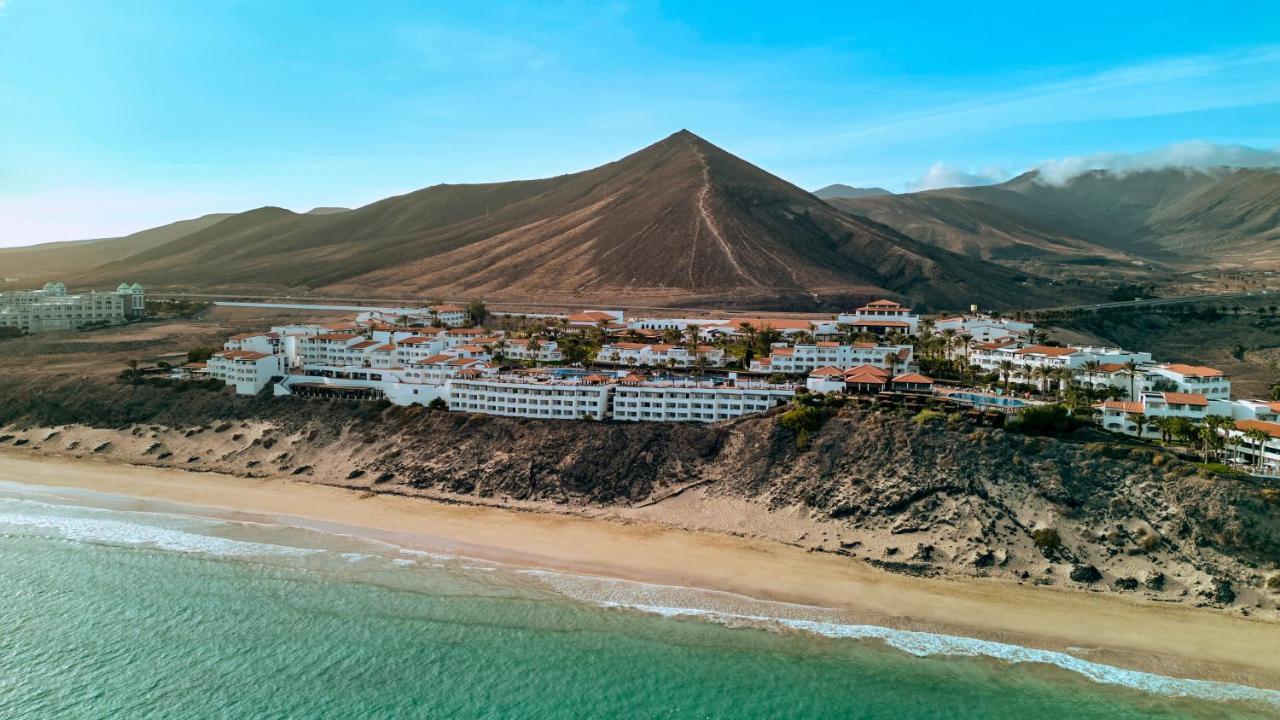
{"points": [[327, 210], [848, 191], [36, 264], [1175, 217], [679, 223]]}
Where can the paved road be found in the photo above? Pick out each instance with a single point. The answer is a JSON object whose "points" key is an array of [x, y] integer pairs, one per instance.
{"points": [[1155, 301]]}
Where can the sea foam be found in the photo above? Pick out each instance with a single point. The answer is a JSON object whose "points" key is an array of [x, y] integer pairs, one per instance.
{"points": [[719, 607]]}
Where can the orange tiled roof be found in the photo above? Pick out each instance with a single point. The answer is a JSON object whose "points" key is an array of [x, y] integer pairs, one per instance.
{"points": [[1046, 350], [1180, 398], [1128, 406], [1270, 428], [827, 371], [1192, 370], [916, 378]]}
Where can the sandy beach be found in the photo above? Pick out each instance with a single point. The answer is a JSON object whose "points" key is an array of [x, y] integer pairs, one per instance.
{"points": [[1171, 640]]}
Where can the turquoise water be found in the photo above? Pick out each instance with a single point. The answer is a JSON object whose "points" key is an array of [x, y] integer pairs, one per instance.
{"points": [[108, 612]]}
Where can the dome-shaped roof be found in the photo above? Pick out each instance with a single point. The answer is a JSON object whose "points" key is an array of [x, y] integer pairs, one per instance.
{"points": [[136, 287], [124, 287]]}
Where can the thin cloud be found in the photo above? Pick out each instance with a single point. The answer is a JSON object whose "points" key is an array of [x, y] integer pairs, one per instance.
{"points": [[943, 175], [1192, 155], [1174, 85]]}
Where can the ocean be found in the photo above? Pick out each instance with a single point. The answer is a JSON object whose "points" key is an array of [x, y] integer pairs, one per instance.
{"points": [[111, 609]]}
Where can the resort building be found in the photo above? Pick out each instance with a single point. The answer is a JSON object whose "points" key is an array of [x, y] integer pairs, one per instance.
{"points": [[520, 397], [248, 371], [1207, 381], [51, 308], [694, 402], [1125, 415], [881, 317], [807, 358], [985, 328], [526, 350]]}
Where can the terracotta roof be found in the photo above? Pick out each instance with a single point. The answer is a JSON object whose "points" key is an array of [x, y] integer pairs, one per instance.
{"points": [[595, 379], [627, 346], [196, 365], [879, 323], [448, 308], [336, 336], [469, 348], [867, 370], [939, 321], [1275, 407], [1192, 370], [633, 378], [865, 379], [883, 305], [1110, 367], [435, 359], [915, 378], [364, 344], [467, 373], [827, 371], [1125, 405], [1179, 398], [415, 340], [592, 316], [997, 344], [1046, 350], [783, 351], [466, 331], [252, 356], [827, 344], [385, 348], [1270, 428]]}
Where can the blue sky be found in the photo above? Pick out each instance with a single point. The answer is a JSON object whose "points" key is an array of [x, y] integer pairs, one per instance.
{"points": [[115, 116]]}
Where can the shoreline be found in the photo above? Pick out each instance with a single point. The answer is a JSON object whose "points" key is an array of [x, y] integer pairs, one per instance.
{"points": [[1131, 633]]}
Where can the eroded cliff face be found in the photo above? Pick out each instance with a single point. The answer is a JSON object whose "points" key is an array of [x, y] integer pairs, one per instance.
{"points": [[928, 498]]}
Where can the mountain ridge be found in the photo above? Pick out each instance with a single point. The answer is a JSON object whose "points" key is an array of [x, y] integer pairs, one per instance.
{"points": [[679, 222]]}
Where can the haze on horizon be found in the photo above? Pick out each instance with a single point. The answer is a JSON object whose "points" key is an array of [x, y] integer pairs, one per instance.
{"points": [[121, 116]]}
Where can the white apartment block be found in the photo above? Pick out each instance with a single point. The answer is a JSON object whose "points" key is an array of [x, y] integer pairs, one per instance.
{"points": [[881, 317], [1207, 381], [985, 328], [248, 371], [51, 308], [807, 358], [1122, 415], [524, 398], [701, 402], [526, 350], [1026, 359], [447, 315]]}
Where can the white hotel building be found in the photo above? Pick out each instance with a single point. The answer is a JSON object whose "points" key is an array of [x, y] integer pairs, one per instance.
{"points": [[803, 359], [514, 397], [51, 308], [881, 317], [984, 328], [701, 402]]}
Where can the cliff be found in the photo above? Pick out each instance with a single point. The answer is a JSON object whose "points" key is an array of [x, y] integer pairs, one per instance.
{"points": [[925, 496]]}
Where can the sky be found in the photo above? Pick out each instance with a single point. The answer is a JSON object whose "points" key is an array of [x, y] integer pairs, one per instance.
{"points": [[118, 116]]}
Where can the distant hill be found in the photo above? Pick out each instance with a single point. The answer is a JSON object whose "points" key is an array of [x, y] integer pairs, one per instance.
{"points": [[327, 210], [848, 191], [1224, 217], [680, 222], [37, 264]]}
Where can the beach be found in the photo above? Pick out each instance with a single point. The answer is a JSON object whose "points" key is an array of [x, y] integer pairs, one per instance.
{"points": [[1176, 641]]}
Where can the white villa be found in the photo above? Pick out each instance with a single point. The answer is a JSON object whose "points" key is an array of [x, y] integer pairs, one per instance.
{"points": [[881, 317]]}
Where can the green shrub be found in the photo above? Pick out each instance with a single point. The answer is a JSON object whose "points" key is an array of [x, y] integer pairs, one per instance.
{"points": [[1273, 582], [1043, 420], [1046, 539], [925, 416]]}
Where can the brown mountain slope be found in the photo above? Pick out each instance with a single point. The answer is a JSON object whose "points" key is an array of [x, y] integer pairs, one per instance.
{"points": [[37, 264], [1177, 217], [680, 222]]}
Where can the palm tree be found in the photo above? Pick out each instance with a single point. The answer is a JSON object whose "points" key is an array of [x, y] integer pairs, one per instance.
{"points": [[1041, 374], [1259, 439], [1005, 367], [948, 339], [1140, 419], [1091, 368], [1165, 426], [1131, 369]]}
